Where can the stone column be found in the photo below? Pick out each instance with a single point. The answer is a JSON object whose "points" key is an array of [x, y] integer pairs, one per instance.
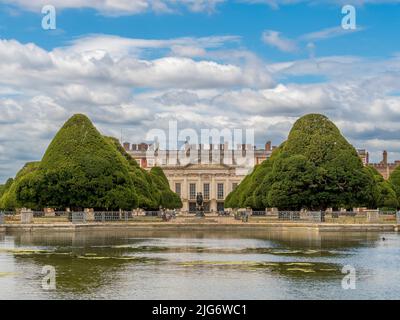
{"points": [[227, 187], [89, 214], [26, 216], [185, 195], [373, 216], [213, 195], [49, 212], [213, 205], [185, 205]]}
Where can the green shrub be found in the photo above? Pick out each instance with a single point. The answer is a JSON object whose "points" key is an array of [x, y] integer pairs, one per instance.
{"points": [[315, 168], [83, 169]]}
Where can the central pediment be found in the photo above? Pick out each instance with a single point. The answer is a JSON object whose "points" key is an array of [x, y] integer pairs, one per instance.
{"points": [[196, 166], [207, 166]]}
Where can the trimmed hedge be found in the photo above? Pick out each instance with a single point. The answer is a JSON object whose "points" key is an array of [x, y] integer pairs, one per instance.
{"points": [[315, 168], [83, 169]]}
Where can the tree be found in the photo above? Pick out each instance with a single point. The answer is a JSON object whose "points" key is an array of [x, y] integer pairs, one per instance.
{"points": [[251, 192], [167, 199], [83, 169], [6, 186], [8, 200], [315, 168], [385, 195], [153, 188], [395, 180], [293, 182]]}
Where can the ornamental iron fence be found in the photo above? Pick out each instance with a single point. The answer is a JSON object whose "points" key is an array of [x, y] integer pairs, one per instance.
{"points": [[259, 213], [289, 215], [106, 216], [77, 217], [87, 216], [9, 213], [153, 213], [38, 214], [313, 216]]}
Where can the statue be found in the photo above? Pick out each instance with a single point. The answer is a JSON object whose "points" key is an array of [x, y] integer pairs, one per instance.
{"points": [[199, 205]]}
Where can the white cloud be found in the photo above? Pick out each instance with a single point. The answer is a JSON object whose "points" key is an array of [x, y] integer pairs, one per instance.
{"points": [[131, 7], [275, 4], [118, 46], [119, 88], [90, 61], [274, 38], [329, 33], [120, 7]]}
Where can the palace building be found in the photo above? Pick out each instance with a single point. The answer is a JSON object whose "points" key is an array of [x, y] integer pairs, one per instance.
{"points": [[214, 170], [384, 167]]}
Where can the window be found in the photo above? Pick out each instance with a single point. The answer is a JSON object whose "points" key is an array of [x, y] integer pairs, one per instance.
{"points": [[220, 190], [206, 191], [192, 191], [234, 185], [150, 162], [178, 189]]}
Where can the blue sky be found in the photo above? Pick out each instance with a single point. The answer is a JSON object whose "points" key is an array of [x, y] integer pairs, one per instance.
{"points": [[134, 65], [378, 39]]}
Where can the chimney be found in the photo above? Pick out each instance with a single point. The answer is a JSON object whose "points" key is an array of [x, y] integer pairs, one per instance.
{"points": [[126, 146], [143, 147], [268, 146], [385, 158]]}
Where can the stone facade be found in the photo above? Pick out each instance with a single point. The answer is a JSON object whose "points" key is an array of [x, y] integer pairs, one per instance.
{"points": [[214, 181], [213, 170], [384, 167]]}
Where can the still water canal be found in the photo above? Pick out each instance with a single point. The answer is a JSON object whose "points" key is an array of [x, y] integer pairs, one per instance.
{"points": [[199, 265]]}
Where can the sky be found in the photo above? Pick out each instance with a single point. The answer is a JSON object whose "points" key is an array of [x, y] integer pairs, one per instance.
{"points": [[134, 65]]}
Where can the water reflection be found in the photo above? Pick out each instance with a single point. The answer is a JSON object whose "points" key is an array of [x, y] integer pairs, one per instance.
{"points": [[153, 264]]}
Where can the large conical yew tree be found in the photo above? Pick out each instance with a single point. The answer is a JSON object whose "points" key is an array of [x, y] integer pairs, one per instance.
{"points": [[83, 169], [315, 168], [394, 180]]}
